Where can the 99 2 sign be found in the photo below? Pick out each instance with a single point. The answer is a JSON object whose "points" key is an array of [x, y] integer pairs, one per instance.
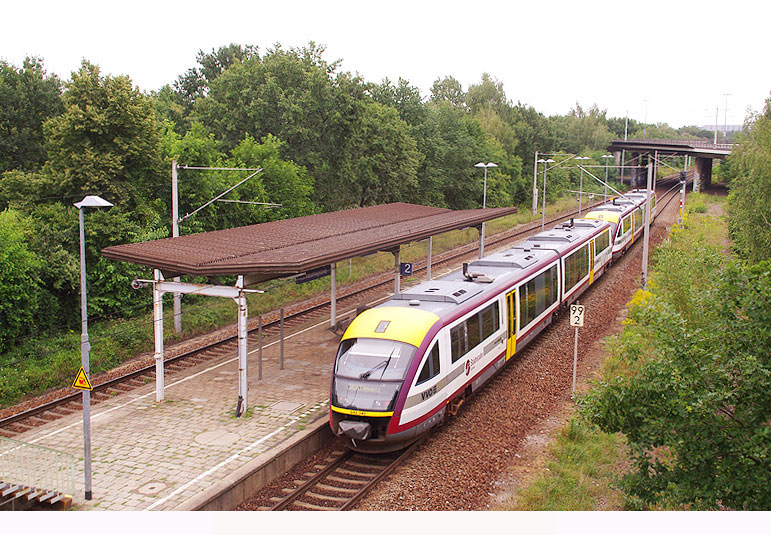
{"points": [[577, 315]]}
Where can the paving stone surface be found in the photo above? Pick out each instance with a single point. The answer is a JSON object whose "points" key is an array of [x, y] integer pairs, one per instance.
{"points": [[154, 456]]}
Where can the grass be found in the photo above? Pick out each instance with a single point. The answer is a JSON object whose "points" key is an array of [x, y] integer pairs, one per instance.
{"points": [[583, 464], [579, 474]]}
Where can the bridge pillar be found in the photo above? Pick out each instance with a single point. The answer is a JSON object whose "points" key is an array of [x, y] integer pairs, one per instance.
{"points": [[639, 171], [702, 173]]}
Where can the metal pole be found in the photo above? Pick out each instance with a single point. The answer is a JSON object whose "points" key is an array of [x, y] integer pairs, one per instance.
{"points": [[397, 267], [243, 349], [333, 297], [175, 234], [580, 191], [259, 349], [605, 198], [430, 249], [543, 202], [85, 349], [647, 228], [482, 232], [158, 334], [535, 184], [281, 355]]}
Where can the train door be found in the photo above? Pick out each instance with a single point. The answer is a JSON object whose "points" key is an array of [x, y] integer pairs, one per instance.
{"points": [[591, 261], [511, 321]]}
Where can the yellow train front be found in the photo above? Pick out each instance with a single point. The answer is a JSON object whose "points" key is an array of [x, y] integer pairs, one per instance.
{"points": [[379, 351]]}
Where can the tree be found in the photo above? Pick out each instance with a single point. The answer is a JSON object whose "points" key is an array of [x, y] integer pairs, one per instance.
{"points": [[194, 84], [583, 130], [488, 93], [106, 141], [298, 97], [27, 99], [451, 143], [383, 159], [281, 181], [448, 90], [19, 268], [750, 190], [696, 416]]}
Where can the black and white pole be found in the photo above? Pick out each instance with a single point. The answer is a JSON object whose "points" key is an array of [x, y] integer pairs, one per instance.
{"points": [[576, 321]]}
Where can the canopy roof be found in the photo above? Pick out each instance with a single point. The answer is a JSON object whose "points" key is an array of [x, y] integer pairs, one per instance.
{"points": [[297, 245]]}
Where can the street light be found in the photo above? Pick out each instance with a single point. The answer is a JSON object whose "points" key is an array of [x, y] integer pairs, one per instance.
{"points": [[581, 184], [89, 201], [606, 157], [484, 205], [543, 201]]}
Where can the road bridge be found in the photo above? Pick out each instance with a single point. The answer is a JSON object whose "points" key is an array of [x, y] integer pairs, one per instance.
{"points": [[703, 152]]}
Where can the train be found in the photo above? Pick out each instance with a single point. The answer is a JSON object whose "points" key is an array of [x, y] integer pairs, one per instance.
{"points": [[403, 366]]}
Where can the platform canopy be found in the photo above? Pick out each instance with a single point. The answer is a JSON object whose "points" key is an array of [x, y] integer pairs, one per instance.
{"points": [[298, 245]]}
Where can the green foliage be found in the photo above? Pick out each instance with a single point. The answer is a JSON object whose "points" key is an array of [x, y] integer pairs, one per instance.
{"points": [[382, 161], [583, 130], [19, 268], [750, 197], [27, 99], [695, 409], [106, 141]]}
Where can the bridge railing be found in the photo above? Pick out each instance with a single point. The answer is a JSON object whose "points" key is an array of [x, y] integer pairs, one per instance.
{"points": [[36, 467]]}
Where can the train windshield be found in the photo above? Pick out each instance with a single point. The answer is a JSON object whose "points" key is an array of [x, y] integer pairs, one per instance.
{"points": [[373, 359]]}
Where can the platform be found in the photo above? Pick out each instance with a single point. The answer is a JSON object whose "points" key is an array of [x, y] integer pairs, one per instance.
{"points": [[180, 453]]}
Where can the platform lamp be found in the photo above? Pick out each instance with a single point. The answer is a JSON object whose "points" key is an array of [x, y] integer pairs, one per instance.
{"points": [[89, 201], [484, 205], [606, 157], [543, 201]]}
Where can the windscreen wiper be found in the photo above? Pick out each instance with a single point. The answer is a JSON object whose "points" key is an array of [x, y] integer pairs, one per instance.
{"points": [[367, 373]]}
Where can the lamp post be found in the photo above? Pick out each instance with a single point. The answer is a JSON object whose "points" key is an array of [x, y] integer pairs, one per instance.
{"points": [[606, 157], [484, 205], [543, 201], [89, 201], [581, 184]]}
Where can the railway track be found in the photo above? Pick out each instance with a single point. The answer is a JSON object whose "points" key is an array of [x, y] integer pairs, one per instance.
{"points": [[313, 310], [341, 483]]}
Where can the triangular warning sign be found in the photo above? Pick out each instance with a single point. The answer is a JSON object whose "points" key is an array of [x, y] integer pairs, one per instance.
{"points": [[81, 382]]}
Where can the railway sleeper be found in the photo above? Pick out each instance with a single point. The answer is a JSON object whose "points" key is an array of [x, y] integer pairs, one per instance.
{"points": [[312, 506], [365, 475], [342, 490], [325, 498]]}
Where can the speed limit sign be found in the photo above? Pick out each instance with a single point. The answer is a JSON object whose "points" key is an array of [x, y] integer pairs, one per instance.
{"points": [[577, 315]]}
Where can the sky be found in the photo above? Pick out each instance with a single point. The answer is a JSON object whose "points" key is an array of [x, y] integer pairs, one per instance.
{"points": [[655, 61]]}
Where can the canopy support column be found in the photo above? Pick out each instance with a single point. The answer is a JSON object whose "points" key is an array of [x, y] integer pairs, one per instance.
{"points": [[333, 298], [428, 262], [158, 332], [397, 267], [243, 348]]}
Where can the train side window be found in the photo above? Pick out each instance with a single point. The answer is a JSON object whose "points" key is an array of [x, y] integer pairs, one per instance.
{"points": [[431, 366], [603, 240], [457, 342], [474, 331], [490, 320]]}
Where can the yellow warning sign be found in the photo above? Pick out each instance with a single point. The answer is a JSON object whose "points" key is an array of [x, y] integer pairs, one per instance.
{"points": [[81, 382]]}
